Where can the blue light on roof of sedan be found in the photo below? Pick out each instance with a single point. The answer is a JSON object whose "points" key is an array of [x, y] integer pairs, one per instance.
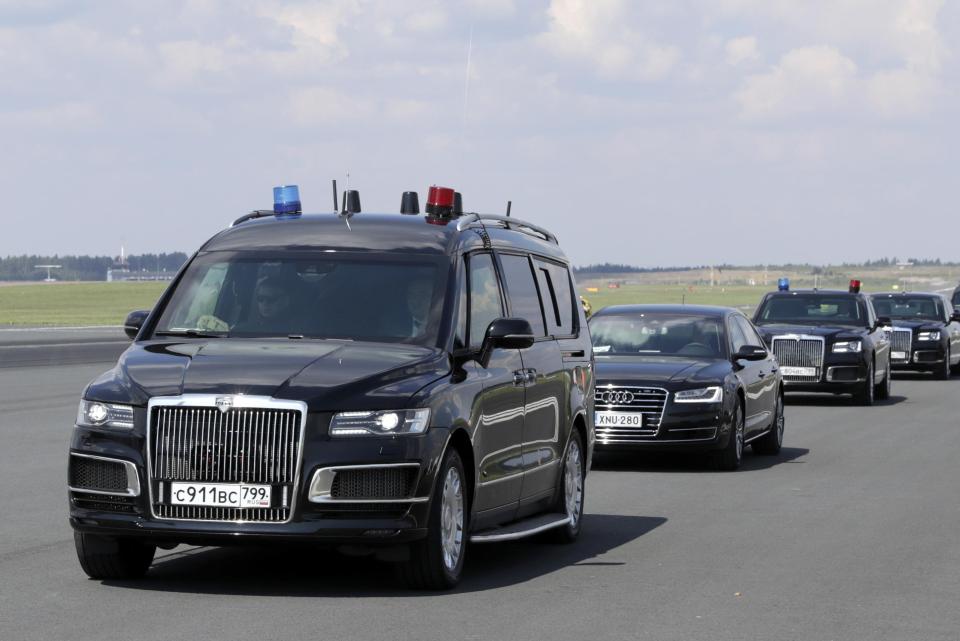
{"points": [[286, 199], [783, 284]]}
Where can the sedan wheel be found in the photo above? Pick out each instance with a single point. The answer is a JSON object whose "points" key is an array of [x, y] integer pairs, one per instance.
{"points": [[731, 456]]}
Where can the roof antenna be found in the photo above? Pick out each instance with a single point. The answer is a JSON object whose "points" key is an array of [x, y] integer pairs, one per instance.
{"points": [[509, 205], [335, 206]]}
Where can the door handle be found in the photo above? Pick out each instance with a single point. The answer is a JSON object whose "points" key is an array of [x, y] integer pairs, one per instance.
{"points": [[519, 377], [531, 376], [762, 374]]}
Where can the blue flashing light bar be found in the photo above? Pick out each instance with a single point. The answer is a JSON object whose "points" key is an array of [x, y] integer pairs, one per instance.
{"points": [[286, 199], [783, 284]]}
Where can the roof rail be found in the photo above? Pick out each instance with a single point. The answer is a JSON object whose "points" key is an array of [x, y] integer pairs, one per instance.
{"points": [[257, 213], [508, 221]]}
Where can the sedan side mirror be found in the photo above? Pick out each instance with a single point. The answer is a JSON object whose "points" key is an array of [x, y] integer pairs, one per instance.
{"points": [[750, 353], [506, 333], [134, 322]]}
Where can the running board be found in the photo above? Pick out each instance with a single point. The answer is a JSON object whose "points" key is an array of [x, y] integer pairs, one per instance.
{"points": [[521, 529]]}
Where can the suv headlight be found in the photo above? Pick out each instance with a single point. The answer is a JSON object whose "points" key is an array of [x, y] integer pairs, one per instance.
{"points": [[847, 347], [382, 423], [96, 414], [699, 395], [929, 336]]}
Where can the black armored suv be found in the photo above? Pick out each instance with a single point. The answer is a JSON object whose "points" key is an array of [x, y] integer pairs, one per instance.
{"points": [[925, 332], [399, 384], [827, 341]]}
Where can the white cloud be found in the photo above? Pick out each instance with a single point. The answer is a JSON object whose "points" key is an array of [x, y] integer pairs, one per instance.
{"points": [[600, 32], [807, 79], [326, 106], [740, 50], [426, 21]]}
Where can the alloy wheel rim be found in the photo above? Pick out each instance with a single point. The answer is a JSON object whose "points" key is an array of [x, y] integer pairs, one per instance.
{"points": [[739, 437], [780, 420], [573, 484], [451, 519]]}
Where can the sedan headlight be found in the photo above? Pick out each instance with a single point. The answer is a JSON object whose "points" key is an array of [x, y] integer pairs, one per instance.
{"points": [[699, 395], [847, 347], [382, 423], [96, 414], [929, 336]]}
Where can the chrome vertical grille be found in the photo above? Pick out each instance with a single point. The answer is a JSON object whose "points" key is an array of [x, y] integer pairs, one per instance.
{"points": [[901, 340], [799, 351], [199, 443]]}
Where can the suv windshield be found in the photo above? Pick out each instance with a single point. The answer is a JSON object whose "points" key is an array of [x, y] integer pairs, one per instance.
{"points": [[373, 297], [909, 308], [660, 334], [813, 309]]}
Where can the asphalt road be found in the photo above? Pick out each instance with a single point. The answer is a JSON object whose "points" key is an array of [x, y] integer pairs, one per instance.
{"points": [[852, 533]]}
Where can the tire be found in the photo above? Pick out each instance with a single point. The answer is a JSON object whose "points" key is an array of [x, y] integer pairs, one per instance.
{"points": [[770, 443], [943, 372], [572, 491], [865, 395], [103, 557], [882, 392], [436, 562], [730, 457]]}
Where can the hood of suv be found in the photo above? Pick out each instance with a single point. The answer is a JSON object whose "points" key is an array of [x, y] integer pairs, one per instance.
{"points": [[326, 374], [830, 333]]}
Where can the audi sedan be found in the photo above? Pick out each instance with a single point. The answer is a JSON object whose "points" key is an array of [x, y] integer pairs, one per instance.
{"points": [[686, 378]]}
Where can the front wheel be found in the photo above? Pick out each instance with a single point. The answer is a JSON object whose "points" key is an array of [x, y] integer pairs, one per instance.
{"points": [[865, 396], [770, 443], [104, 557], [943, 372], [436, 562], [730, 457], [570, 495], [883, 389]]}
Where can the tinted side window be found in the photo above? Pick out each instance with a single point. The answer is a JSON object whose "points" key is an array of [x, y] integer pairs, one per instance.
{"points": [[737, 339], [522, 291], [485, 304], [557, 294], [749, 333]]}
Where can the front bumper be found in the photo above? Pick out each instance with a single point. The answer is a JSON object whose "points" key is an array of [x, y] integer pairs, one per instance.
{"points": [[922, 357], [332, 521], [680, 429], [840, 374]]}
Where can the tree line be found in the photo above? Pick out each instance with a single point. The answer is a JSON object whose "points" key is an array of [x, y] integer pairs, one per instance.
{"points": [[85, 267]]}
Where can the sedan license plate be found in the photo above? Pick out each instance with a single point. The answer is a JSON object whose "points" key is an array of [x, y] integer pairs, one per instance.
{"points": [[798, 371], [900, 356], [620, 419], [220, 494]]}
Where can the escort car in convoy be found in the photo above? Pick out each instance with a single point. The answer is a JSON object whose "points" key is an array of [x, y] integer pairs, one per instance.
{"points": [[925, 332], [402, 384], [827, 341], [682, 377]]}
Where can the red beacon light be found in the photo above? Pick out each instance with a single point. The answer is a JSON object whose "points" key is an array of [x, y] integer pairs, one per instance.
{"points": [[854, 286], [440, 201]]}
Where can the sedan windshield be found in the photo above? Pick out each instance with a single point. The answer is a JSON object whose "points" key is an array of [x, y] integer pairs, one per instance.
{"points": [[375, 297], [909, 307], [660, 334], [813, 309]]}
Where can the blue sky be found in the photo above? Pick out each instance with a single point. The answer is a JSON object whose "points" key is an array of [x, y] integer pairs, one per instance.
{"points": [[651, 133]]}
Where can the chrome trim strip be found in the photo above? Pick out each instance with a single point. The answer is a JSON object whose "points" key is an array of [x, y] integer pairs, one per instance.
{"points": [[513, 536], [239, 401], [133, 479], [322, 484]]}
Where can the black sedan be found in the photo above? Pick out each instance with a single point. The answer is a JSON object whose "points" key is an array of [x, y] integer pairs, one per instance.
{"points": [[925, 332], [827, 341], [672, 377]]}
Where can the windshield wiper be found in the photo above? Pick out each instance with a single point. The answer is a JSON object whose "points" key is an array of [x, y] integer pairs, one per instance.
{"points": [[192, 333]]}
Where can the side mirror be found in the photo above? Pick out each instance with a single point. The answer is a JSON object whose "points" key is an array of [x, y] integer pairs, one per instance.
{"points": [[883, 321], [750, 353], [506, 333], [134, 322]]}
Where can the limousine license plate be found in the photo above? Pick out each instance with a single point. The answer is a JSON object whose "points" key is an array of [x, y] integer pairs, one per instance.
{"points": [[798, 371], [620, 419], [900, 356], [220, 494]]}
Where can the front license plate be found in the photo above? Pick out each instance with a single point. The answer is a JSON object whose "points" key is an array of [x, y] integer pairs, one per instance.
{"points": [[900, 356], [798, 371], [620, 419], [220, 494]]}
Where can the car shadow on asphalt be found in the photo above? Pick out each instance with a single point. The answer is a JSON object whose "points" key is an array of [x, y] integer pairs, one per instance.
{"points": [[834, 400], [691, 462], [303, 570]]}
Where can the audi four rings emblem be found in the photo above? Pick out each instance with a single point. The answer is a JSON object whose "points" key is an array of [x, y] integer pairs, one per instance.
{"points": [[617, 398]]}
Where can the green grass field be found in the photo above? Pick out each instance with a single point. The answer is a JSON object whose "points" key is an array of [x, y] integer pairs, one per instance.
{"points": [[730, 296], [75, 304]]}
